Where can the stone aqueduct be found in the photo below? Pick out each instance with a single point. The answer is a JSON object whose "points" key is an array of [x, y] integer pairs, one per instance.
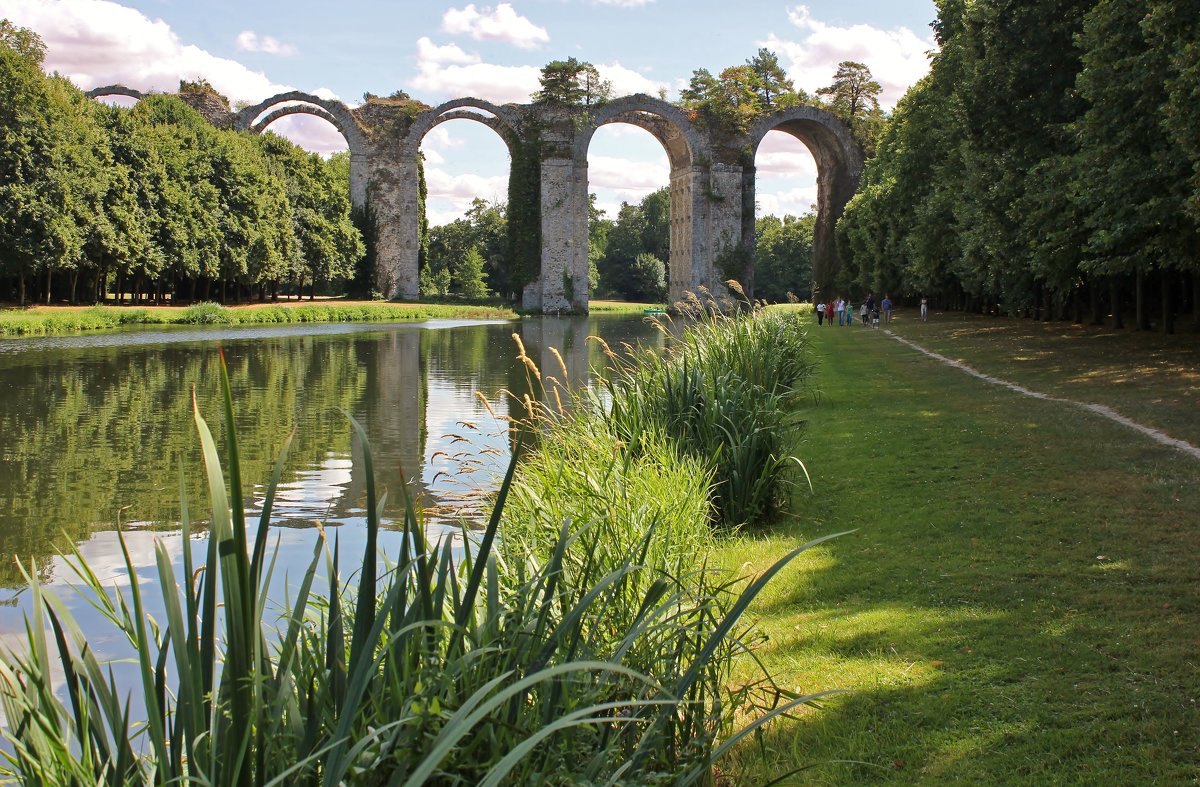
{"points": [[711, 184]]}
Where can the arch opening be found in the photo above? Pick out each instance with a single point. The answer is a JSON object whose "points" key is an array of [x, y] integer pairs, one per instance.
{"points": [[839, 161], [632, 242], [466, 160], [684, 149], [785, 213]]}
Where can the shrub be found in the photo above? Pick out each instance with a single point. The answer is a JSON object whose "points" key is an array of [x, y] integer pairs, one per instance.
{"points": [[207, 313]]}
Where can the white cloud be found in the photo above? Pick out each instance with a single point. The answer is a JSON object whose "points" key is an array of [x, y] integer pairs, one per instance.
{"points": [[501, 23], [624, 3], [781, 154], [249, 41], [499, 84], [429, 52], [311, 133], [783, 202], [620, 174], [897, 58], [97, 42], [450, 195], [626, 82]]}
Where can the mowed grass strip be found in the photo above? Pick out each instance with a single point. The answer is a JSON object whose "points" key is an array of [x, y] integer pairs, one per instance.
{"points": [[1020, 601], [1151, 378]]}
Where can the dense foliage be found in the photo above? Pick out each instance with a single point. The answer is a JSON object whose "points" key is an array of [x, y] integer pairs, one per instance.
{"points": [[154, 200], [1048, 162]]}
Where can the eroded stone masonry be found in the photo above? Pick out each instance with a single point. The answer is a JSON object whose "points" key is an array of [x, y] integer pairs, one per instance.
{"points": [[712, 181]]}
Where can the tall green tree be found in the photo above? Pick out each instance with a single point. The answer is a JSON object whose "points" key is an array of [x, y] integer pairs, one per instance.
{"points": [[771, 83], [854, 97]]}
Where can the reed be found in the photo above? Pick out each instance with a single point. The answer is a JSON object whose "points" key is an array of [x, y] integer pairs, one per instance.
{"points": [[481, 667], [722, 394]]}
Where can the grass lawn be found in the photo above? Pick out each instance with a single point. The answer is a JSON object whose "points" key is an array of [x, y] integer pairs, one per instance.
{"points": [[1021, 600]]}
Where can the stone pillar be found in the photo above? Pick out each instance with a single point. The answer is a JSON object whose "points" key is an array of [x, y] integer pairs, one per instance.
{"points": [[394, 197], [724, 231], [562, 285], [690, 247], [360, 178]]}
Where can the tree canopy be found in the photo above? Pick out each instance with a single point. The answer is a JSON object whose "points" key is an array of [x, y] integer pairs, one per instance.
{"points": [[1047, 163], [153, 200]]}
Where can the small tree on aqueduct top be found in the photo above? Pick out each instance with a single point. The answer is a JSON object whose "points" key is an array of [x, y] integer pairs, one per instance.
{"points": [[854, 97], [572, 82]]}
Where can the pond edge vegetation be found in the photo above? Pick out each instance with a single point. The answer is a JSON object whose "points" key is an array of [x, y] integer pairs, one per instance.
{"points": [[593, 638]]}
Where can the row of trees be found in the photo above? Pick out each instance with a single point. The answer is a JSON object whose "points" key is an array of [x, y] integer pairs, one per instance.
{"points": [[1049, 163], [154, 200]]}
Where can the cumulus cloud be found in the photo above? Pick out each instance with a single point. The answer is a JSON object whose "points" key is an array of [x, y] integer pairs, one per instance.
{"points": [[311, 133], [626, 82], [897, 58], [429, 52], [783, 202], [450, 195], [249, 41], [501, 23], [783, 155], [498, 84], [97, 42]]}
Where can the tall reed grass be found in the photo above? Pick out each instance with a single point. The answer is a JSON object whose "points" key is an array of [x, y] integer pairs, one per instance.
{"points": [[494, 666], [720, 394]]}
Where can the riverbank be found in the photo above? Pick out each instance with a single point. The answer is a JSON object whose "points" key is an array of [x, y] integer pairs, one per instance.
{"points": [[1019, 602], [60, 320]]}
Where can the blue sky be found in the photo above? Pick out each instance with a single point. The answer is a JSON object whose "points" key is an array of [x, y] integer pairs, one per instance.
{"points": [[438, 50]]}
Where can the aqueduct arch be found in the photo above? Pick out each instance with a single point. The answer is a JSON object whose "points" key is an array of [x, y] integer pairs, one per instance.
{"points": [[257, 118], [686, 151], [839, 165], [115, 90], [395, 185]]}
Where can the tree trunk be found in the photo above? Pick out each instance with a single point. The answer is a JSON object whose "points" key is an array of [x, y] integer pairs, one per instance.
{"points": [[223, 301], [1094, 298], [1168, 313], [1141, 319], [21, 287], [1114, 295], [74, 281], [1196, 299]]}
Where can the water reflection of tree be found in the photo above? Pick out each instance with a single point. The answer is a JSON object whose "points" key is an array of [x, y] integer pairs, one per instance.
{"points": [[92, 435]]}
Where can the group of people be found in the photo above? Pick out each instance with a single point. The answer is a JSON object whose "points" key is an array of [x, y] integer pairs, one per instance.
{"points": [[869, 312]]}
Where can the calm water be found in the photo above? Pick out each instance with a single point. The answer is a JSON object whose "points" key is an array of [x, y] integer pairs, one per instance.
{"points": [[94, 430]]}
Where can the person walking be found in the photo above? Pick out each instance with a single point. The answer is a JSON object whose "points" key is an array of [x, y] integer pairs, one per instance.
{"points": [[820, 314], [829, 312], [924, 310], [862, 314], [887, 309], [841, 311]]}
